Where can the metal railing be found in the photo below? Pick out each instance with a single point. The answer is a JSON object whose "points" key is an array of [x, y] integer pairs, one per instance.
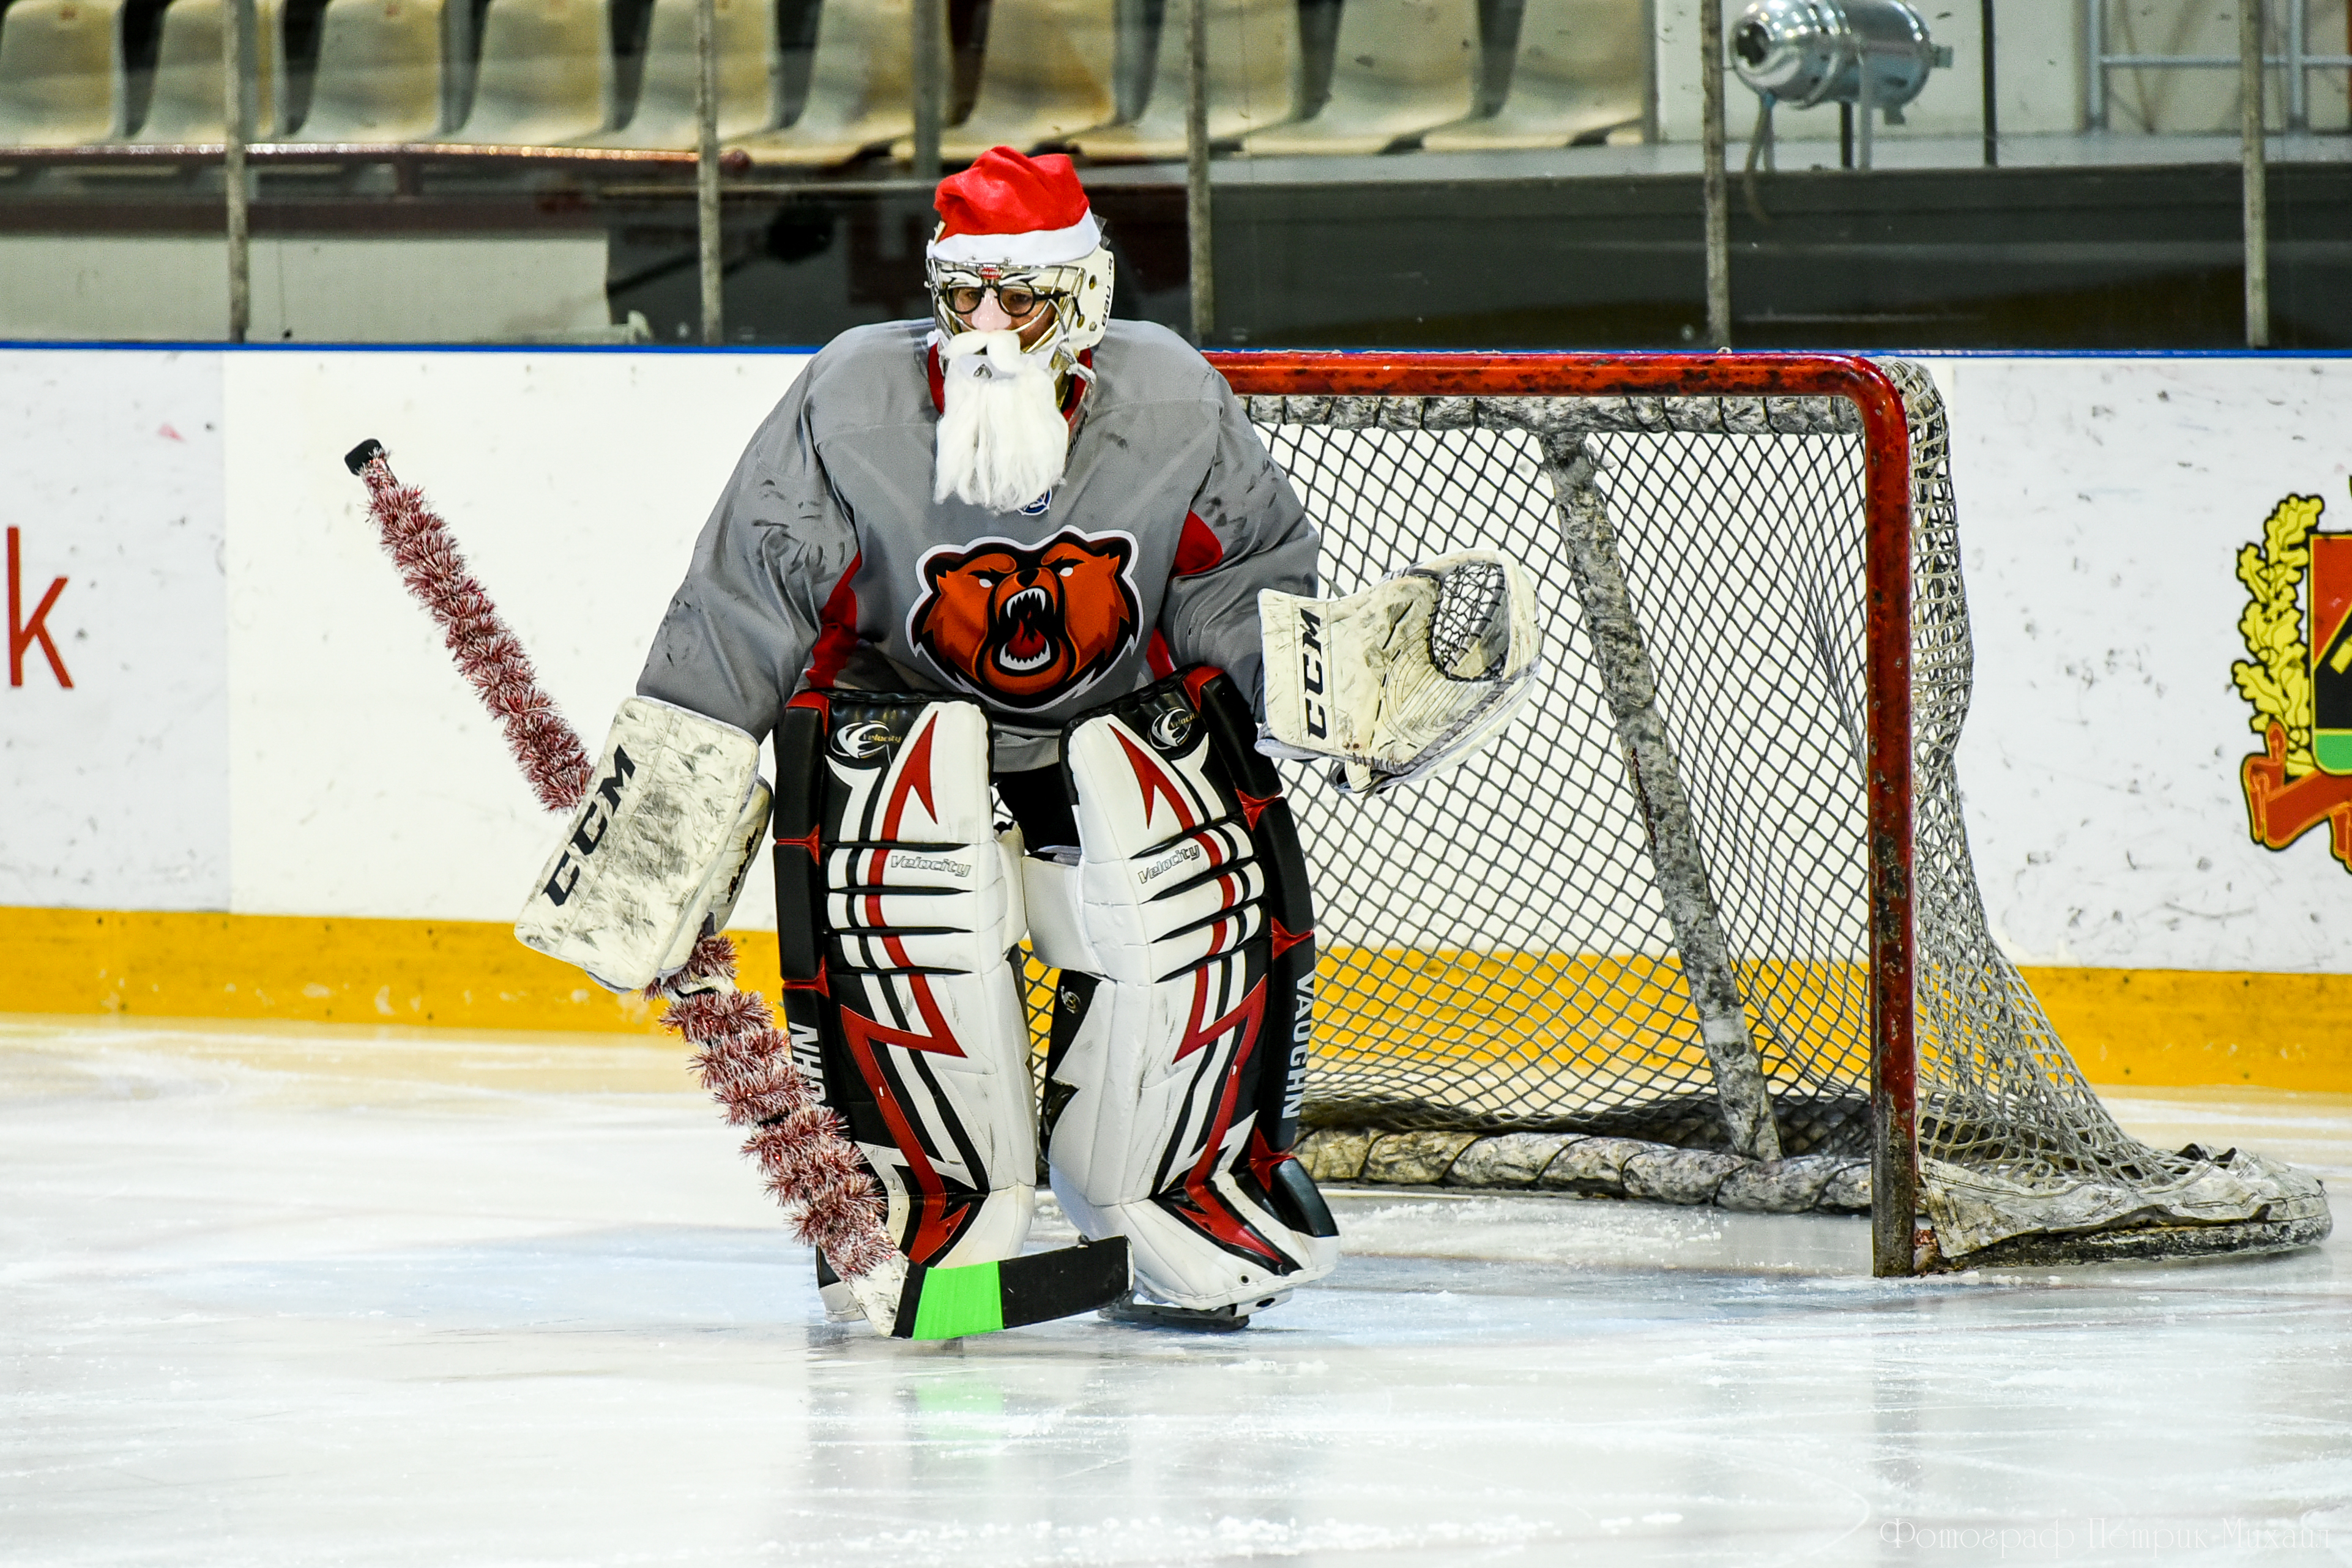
{"points": [[2297, 62], [240, 158]]}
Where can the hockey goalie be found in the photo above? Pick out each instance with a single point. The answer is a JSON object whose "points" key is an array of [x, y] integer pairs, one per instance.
{"points": [[1025, 607]]}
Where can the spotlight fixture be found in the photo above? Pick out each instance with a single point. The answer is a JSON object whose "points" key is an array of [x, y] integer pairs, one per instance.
{"points": [[1861, 55]]}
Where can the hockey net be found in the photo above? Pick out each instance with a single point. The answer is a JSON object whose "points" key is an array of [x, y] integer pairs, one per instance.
{"points": [[1501, 993]]}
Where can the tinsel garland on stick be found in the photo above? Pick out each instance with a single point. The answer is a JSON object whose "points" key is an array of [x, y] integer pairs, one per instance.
{"points": [[740, 1057]]}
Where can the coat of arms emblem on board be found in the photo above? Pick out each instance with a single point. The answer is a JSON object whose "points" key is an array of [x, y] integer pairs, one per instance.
{"points": [[2298, 631]]}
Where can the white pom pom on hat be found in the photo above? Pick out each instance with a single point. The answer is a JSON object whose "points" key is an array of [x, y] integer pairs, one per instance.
{"points": [[1010, 208]]}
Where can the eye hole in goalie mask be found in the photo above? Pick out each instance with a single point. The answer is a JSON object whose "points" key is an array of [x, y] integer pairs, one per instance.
{"points": [[1027, 626], [1016, 299]]}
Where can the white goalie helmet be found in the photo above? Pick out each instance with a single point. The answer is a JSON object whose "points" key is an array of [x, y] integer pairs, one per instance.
{"points": [[1078, 293], [1012, 224]]}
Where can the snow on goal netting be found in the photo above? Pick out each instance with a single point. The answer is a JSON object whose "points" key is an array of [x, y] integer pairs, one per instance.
{"points": [[1501, 994]]}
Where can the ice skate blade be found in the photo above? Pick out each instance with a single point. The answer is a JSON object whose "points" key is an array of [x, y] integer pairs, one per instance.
{"points": [[833, 1293], [1130, 1308]]}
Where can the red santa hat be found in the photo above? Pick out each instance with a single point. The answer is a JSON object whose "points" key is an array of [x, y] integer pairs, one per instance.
{"points": [[1027, 212]]}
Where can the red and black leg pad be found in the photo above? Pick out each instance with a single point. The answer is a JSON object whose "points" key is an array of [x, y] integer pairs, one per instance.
{"points": [[895, 910]]}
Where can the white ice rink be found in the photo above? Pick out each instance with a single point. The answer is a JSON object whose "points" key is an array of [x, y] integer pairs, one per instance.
{"points": [[325, 1297]]}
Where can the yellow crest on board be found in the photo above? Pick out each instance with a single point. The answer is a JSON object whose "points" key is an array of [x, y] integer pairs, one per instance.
{"points": [[2299, 780], [2277, 679]]}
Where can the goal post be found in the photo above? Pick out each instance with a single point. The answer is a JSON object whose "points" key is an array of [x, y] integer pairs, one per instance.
{"points": [[1717, 879], [1641, 383]]}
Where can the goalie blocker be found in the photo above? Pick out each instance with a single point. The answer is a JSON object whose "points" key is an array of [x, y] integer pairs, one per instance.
{"points": [[656, 849]]}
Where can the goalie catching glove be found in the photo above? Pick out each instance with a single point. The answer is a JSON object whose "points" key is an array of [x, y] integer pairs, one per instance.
{"points": [[1404, 678], [657, 852]]}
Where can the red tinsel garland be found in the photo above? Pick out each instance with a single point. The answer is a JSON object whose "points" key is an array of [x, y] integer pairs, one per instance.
{"points": [[743, 1062]]}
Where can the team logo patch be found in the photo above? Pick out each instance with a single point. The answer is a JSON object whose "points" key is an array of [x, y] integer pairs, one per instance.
{"points": [[1026, 625], [859, 742], [2298, 679], [1172, 729]]}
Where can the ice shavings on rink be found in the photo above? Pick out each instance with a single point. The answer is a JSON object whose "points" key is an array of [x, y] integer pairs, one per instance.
{"points": [[276, 1296], [1153, 1539]]}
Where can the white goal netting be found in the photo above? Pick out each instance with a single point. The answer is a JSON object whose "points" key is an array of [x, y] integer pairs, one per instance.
{"points": [[1501, 992]]}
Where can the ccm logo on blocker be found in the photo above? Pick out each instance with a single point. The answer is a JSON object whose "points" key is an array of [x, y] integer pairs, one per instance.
{"points": [[582, 843], [1310, 672]]}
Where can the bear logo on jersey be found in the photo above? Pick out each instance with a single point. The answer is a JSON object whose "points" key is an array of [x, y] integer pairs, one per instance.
{"points": [[1026, 625]]}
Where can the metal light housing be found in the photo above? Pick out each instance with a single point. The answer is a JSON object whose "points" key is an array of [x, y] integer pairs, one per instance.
{"points": [[1804, 52]]}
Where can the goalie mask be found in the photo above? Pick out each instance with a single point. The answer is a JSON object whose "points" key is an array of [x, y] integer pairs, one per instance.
{"points": [[1018, 230]]}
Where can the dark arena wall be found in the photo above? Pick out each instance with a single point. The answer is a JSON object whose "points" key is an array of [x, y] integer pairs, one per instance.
{"points": [[2118, 257], [1322, 254]]}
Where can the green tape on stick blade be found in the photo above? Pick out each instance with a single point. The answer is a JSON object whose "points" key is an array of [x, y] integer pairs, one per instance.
{"points": [[958, 1301]]}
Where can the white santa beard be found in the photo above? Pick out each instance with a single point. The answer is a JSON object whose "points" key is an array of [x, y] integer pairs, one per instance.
{"points": [[1001, 439]]}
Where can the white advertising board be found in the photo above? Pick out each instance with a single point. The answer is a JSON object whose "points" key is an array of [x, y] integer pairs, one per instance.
{"points": [[114, 786], [2103, 503], [367, 780], [261, 721]]}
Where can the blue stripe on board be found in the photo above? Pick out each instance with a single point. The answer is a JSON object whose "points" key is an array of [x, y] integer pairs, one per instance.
{"points": [[63, 345]]}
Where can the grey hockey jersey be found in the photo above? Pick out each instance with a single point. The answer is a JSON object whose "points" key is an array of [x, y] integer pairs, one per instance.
{"points": [[827, 562]]}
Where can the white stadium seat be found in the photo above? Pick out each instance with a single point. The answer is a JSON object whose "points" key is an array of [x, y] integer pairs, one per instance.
{"points": [[860, 87], [749, 67], [379, 76], [1046, 76], [1577, 74], [186, 103], [546, 75], [1403, 67], [61, 79], [1254, 69]]}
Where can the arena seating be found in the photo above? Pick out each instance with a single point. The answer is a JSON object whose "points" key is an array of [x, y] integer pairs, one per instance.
{"points": [[1255, 61], [1402, 68], [1047, 75], [1406, 73], [546, 74], [61, 76], [185, 103], [748, 69], [379, 77], [1576, 75], [860, 87]]}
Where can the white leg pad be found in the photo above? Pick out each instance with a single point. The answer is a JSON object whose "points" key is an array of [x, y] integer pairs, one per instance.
{"points": [[1166, 907]]}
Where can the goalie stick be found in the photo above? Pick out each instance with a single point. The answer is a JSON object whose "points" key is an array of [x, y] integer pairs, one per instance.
{"points": [[740, 1057]]}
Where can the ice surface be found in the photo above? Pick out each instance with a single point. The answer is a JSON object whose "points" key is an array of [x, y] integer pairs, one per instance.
{"points": [[321, 1297]]}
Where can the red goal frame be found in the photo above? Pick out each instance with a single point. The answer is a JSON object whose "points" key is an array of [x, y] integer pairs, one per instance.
{"points": [[1887, 522]]}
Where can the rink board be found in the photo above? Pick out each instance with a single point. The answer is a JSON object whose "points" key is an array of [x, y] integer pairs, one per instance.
{"points": [[261, 724], [2161, 1027]]}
